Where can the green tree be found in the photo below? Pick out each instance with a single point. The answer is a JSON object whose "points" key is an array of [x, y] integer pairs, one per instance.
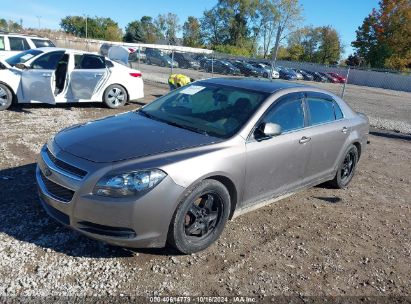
{"points": [[150, 33], [192, 32], [330, 46], [10, 25], [213, 27], [133, 32], [384, 38], [168, 26], [97, 27]]}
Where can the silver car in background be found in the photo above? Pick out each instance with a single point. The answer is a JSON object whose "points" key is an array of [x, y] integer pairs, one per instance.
{"points": [[177, 169]]}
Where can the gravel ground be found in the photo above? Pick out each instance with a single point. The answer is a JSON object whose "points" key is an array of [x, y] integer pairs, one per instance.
{"points": [[353, 242], [386, 109]]}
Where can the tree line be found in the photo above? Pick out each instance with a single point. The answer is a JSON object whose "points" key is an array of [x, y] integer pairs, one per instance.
{"points": [[265, 29]]}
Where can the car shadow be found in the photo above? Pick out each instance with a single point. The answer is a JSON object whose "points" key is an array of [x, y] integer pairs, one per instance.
{"points": [[392, 135], [329, 199], [23, 218]]}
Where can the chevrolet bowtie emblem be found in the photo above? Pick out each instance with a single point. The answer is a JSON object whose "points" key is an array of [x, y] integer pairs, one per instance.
{"points": [[47, 172]]}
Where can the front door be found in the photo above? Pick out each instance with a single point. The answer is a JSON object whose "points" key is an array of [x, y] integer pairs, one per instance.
{"points": [[88, 75], [37, 81], [277, 165]]}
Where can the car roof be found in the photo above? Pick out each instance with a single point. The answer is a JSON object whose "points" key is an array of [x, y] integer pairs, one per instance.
{"points": [[255, 84]]}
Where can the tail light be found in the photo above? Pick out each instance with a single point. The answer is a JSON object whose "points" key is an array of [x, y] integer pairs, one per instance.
{"points": [[136, 75], [131, 50]]}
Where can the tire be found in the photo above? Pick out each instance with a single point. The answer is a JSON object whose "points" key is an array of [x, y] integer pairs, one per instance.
{"points": [[266, 75], [6, 97], [346, 169], [200, 217], [148, 61], [163, 64], [115, 96]]}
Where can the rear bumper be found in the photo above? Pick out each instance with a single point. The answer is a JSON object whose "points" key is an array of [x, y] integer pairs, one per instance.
{"points": [[129, 222]]}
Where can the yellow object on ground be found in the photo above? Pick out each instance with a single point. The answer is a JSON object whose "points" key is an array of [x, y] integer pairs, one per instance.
{"points": [[178, 80]]}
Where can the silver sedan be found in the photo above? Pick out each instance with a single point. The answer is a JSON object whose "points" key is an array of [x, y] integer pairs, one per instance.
{"points": [[176, 170]]}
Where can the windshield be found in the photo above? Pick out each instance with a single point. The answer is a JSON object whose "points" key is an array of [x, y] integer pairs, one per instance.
{"points": [[206, 108], [23, 57]]}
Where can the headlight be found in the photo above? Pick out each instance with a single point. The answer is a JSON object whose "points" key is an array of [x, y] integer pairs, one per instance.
{"points": [[129, 184]]}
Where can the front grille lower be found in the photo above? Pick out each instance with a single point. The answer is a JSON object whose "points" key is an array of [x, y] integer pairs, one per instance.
{"points": [[119, 232], [56, 191], [65, 166]]}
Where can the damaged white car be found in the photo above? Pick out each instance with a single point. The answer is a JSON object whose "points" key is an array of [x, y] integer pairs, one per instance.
{"points": [[55, 75]]}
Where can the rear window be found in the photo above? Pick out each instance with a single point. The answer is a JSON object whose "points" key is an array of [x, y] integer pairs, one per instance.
{"points": [[18, 44], [42, 43], [321, 110], [89, 62], [1, 43]]}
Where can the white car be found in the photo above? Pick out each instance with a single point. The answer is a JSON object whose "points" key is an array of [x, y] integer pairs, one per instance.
{"points": [[12, 44], [268, 69], [55, 75]]}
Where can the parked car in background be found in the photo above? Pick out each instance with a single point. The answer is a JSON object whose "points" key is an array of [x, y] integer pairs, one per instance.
{"points": [[12, 43], [340, 78], [287, 74], [221, 67], [305, 75], [298, 74], [134, 53], [267, 70], [186, 61], [329, 77], [317, 76], [56, 75], [247, 69], [174, 172], [155, 56]]}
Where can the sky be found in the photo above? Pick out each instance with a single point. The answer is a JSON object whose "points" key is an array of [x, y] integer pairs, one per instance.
{"points": [[345, 16]]}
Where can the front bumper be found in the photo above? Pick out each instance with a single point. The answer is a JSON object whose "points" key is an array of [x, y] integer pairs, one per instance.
{"points": [[129, 222]]}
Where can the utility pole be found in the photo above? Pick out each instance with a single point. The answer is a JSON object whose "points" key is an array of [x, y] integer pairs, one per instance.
{"points": [[86, 25], [277, 45], [38, 18]]}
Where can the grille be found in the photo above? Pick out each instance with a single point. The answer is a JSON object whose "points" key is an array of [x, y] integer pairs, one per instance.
{"points": [[58, 192], [65, 166]]}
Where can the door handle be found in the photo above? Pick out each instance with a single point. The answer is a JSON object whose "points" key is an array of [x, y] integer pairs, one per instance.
{"points": [[46, 75], [98, 74], [344, 130], [304, 140]]}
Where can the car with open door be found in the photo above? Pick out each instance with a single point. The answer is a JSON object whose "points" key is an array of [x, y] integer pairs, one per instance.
{"points": [[195, 158], [56, 75]]}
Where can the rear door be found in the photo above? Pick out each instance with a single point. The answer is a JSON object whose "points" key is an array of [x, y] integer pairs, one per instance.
{"points": [[328, 132], [37, 81], [88, 76]]}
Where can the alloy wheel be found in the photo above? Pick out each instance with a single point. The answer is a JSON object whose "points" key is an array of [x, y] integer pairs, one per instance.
{"points": [[348, 166], [203, 216], [3, 97]]}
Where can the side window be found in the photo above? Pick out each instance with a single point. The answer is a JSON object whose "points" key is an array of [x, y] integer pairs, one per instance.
{"points": [[42, 43], [18, 44], [2, 43], [48, 61], [288, 113], [338, 112], [321, 110], [90, 62]]}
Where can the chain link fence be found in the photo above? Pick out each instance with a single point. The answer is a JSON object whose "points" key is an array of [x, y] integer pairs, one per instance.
{"points": [[157, 62]]}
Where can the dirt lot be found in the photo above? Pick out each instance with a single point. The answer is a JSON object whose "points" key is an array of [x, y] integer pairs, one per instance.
{"points": [[353, 242]]}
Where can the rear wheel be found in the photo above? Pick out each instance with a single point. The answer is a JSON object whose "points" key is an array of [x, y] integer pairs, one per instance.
{"points": [[346, 169], [200, 218], [115, 96], [6, 97]]}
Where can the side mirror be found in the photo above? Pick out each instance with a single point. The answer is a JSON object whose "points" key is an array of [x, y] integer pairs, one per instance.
{"points": [[271, 129], [21, 66], [267, 130]]}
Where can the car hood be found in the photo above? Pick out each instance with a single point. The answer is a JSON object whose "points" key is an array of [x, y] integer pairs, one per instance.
{"points": [[127, 136]]}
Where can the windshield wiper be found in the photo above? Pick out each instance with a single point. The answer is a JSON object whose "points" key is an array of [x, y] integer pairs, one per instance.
{"points": [[174, 124]]}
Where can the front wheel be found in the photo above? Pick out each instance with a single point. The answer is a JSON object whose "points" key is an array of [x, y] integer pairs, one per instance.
{"points": [[115, 96], [200, 218], [346, 169], [6, 97]]}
